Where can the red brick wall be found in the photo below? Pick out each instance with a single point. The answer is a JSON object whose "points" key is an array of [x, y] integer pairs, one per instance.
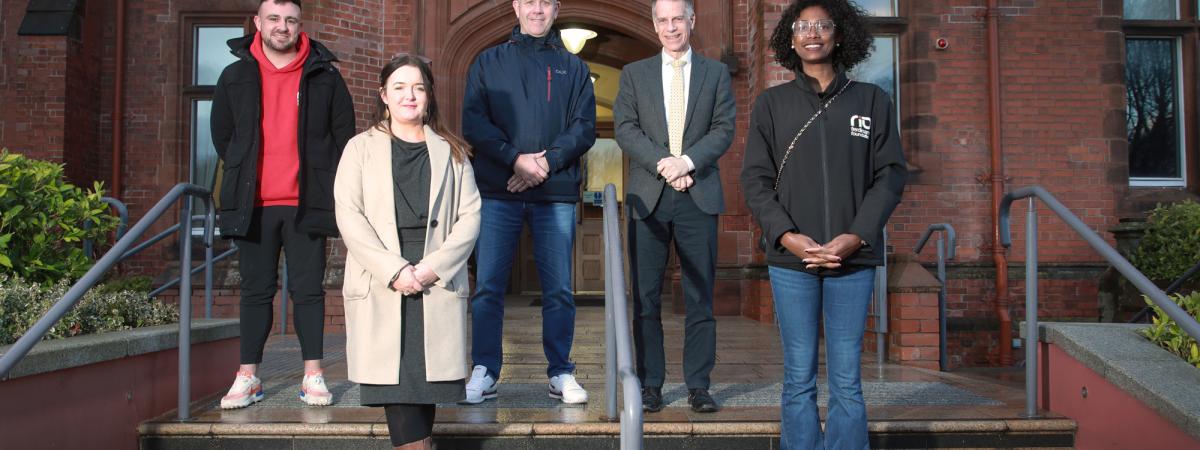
{"points": [[1062, 90], [32, 88]]}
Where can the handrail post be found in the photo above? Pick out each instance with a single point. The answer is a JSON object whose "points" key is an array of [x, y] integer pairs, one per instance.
{"points": [[941, 273], [1031, 310], [881, 305], [610, 345], [185, 309], [208, 281]]}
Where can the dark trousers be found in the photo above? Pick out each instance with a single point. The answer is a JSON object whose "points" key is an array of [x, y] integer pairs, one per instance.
{"points": [[408, 423], [695, 235], [273, 228]]}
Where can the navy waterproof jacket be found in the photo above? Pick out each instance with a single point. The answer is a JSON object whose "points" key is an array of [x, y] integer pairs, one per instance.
{"points": [[524, 96]]}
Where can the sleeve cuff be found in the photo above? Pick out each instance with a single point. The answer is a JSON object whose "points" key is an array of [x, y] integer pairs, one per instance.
{"points": [[691, 165]]}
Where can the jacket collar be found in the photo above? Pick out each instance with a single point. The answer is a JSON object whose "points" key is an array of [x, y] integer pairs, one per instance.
{"points": [[838, 81], [551, 39], [317, 54]]}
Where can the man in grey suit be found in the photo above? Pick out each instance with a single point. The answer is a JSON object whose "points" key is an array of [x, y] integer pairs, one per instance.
{"points": [[674, 118]]}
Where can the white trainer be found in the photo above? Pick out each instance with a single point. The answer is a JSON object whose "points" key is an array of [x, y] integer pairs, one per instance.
{"points": [[481, 386], [313, 391], [246, 390], [565, 388]]}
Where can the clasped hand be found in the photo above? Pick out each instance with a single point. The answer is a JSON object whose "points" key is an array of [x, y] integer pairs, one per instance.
{"points": [[675, 170], [530, 169], [414, 279], [814, 255]]}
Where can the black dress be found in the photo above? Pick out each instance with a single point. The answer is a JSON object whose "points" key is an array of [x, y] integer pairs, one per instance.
{"points": [[410, 184]]}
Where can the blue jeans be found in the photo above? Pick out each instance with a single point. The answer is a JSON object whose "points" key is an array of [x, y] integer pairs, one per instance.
{"points": [[553, 228], [801, 300]]}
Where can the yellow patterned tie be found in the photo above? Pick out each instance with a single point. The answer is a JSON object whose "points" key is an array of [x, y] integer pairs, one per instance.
{"points": [[675, 116]]}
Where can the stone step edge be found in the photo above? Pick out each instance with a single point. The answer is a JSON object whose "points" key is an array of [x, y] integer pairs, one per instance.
{"points": [[166, 429]]}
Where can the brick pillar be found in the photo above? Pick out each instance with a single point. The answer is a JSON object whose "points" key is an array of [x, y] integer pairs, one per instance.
{"points": [[912, 314]]}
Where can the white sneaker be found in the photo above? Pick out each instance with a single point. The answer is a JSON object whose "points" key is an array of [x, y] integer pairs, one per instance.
{"points": [[313, 391], [565, 388], [246, 390], [481, 386]]}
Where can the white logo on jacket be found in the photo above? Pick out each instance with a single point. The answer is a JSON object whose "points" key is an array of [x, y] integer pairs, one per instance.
{"points": [[860, 126]]}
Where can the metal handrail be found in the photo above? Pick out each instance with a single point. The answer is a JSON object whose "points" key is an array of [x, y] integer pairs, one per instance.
{"points": [[942, 256], [879, 305], [618, 348], [1139, 280], [1169, 290], [114, 255], [122, 224]]}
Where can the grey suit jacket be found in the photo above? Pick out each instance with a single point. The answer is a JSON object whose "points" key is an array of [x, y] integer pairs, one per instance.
{"points": [[641, 131]]}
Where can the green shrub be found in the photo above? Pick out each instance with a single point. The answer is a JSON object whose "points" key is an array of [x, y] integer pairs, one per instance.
{"points": [[42, 225], [103, 308], [1167, 334], [1172, 242]]}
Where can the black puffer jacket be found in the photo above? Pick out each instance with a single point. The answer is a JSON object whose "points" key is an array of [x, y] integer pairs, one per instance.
{"points": [[845, 174], [326, 124]]}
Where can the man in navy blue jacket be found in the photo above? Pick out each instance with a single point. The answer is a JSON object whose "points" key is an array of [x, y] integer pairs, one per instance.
{"points": [[530, 114]]}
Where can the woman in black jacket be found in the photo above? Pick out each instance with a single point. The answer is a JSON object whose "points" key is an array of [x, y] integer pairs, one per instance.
{"points": [[823, 171]]}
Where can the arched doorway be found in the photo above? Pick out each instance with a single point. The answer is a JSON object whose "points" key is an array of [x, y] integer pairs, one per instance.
{"points": [[457, 31]]}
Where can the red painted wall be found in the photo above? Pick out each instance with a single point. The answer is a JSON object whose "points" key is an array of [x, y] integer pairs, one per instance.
{"points": [[100, 405], [1108, 417]]}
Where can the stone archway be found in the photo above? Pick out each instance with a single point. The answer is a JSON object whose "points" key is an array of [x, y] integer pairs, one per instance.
{"points": [[457, 31]]}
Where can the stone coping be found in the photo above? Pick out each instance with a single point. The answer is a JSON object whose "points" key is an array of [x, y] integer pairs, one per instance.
{"points": [[59, 354], [592, 429], [1158, 378]]}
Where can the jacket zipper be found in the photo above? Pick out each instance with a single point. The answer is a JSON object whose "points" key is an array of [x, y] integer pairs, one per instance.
{"points": [[548, 79]]}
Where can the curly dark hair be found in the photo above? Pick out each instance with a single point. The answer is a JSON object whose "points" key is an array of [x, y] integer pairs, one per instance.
{"points": [[851, 33]]}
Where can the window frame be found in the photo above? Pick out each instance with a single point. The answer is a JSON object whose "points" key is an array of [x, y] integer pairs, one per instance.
{"points": [[1186, 32], [190, 94]]}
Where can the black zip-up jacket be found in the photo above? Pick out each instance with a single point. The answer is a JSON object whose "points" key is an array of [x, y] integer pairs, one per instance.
{"points": [[326, 124], [845, 174], [524, 96]]}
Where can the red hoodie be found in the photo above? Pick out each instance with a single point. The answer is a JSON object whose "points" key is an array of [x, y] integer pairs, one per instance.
{"points": [[279, 161]]}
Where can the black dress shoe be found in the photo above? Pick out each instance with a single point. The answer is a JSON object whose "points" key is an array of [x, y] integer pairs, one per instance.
{"points": [[652, 399], [701, 402]]}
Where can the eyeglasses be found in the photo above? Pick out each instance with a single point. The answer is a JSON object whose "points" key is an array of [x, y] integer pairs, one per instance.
{"points": [[824, 27]]}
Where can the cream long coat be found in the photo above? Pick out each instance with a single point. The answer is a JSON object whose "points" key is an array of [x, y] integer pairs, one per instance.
{"points": [[366, 217]]}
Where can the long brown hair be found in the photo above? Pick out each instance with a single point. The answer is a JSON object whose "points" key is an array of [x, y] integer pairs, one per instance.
{"points": [[459, 148]]}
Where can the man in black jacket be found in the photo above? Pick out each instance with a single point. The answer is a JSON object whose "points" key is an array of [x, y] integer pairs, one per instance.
{"points": [[281, 116], [530, 114]]}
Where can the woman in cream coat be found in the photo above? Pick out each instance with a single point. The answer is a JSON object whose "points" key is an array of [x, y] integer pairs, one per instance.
{"points": [[408, 210]]}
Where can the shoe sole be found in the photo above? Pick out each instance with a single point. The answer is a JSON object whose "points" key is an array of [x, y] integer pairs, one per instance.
{"points": [[314, 401], [560, 397], [649, 409], [705, 410], [253, 399], [486, 397]]}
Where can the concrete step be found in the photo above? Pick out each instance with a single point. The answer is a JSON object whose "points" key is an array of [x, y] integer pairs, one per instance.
{"points": [[893, 434]]}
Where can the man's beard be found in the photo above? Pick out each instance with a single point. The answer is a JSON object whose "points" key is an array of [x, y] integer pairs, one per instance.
{"points": [[287, 47]]}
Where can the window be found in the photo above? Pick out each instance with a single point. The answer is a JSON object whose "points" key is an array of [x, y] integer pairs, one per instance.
{"points": [[1151, 9], [882, 67], [878, 8], [206, 55], [1154, 119], [1158, 47]]}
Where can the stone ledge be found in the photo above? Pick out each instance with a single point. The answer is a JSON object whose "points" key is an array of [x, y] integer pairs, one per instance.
{"points": [[59, 354], [1156, 377]]}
